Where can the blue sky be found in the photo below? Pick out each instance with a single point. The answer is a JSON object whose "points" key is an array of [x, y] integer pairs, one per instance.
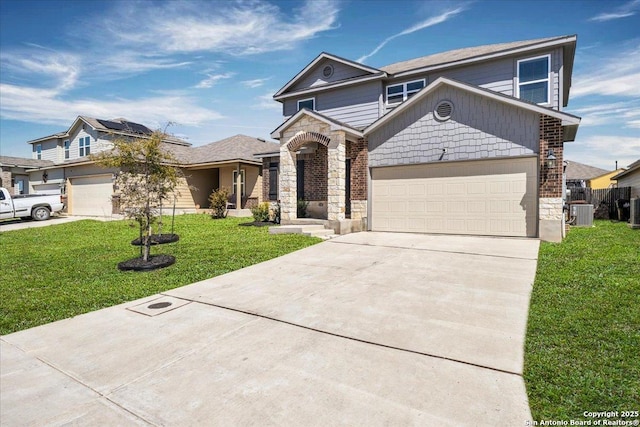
{"points": [[211, 68]]}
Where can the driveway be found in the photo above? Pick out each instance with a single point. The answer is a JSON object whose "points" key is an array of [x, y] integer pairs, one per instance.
{"points": [[365, 329], [21, 224]]}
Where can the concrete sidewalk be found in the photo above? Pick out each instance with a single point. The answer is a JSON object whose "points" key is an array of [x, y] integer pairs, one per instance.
{"points": [[368, 328]]}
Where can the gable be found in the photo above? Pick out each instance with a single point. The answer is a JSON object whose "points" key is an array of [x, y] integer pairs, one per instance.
{"points": [[479, 128], [339, 71], [315, 74]]}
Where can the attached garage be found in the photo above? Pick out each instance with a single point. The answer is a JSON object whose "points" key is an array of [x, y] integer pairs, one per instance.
{"points": [[91, 196], [482, 197], [46, 189]]}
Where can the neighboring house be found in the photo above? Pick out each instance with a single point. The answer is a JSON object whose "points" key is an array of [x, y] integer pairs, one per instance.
{"points": [[579, 175], [464, 142], [89, 188], [604, 180], [630, 178], [14, 173]]}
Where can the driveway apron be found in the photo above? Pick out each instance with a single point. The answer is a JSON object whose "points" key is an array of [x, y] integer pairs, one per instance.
{"points": [[368, 328]]}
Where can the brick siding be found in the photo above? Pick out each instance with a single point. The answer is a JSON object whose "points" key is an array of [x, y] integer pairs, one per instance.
{"points": [[358, 154], [315, 174], [550, 138]]}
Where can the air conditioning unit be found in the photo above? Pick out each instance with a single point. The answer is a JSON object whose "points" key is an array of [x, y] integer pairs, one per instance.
{"points": [[583, 215], [634, 220]]}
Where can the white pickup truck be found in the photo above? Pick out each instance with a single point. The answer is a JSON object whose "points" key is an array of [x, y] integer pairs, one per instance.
{"points": [[36, 206]]}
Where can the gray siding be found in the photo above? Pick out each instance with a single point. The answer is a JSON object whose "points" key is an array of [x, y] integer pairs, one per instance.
{"points": [[479, 128], [356, 106], [49, 150], [340, 72]]}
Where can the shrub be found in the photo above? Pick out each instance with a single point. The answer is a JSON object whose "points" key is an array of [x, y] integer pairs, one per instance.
{"points": [[261, 212], [218, 200], [276, 212], [302, 208]]}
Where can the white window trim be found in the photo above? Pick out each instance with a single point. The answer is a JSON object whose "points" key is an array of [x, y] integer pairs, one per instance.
{"points": [[82, 149], [405, 95], [305, 100], [548, 79], [66, 145], [243, 188], [39, 151]]}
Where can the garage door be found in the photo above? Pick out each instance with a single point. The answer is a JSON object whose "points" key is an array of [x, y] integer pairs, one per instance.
{"points": [[46, 189], [91, 196], [486, 197]]}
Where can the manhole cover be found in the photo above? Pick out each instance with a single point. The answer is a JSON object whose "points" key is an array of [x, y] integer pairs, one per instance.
{"points": [[159, 305]]}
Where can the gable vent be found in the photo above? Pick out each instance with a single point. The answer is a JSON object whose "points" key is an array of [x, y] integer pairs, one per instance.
{"points": [[327, 71], [443, 111]]}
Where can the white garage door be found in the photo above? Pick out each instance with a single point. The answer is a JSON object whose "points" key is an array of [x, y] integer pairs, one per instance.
{"points": [[46, 189], [486, 197], [91, 196]]}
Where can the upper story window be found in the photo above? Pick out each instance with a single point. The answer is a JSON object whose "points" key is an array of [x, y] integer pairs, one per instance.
{"points": [[307, 103], [533, 79], [403, 91], [67, 146], [39, 151], [85, 146]]}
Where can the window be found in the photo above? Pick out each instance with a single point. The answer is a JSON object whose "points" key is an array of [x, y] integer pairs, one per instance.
{"points": [[273, 181], [533, 79], [403, 91], [39, 151], [307, 103], [85, 146], [67, 145], [235, 178]]}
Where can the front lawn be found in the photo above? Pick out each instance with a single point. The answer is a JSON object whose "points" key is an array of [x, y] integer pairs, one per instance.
{"points": [[60, 271], [582, 350]]}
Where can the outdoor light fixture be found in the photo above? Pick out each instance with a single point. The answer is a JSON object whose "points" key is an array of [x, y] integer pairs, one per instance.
{"points": [[551, 160]]}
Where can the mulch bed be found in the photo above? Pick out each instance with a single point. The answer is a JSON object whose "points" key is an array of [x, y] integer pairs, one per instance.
{"points": [[158, 239], [154, 262]]}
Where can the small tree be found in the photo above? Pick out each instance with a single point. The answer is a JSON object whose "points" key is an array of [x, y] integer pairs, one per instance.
{"points": [[218, 200], [147, 176]]}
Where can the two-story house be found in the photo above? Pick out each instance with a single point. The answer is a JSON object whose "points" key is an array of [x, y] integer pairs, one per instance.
{"points": [[90, 189], [465, 142]]}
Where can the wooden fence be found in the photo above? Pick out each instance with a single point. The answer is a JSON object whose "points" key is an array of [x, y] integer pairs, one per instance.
{"points": [[607, 196]]}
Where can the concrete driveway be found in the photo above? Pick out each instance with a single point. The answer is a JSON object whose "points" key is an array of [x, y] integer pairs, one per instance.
{"points": [[364, 329]]}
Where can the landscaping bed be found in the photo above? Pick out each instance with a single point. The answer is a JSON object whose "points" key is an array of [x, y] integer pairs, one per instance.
{"points": [[583, 338], [60, 271]]}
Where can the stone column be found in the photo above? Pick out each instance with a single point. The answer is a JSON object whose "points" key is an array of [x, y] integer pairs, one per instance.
{"points": [[336, 154], [288, 185]]}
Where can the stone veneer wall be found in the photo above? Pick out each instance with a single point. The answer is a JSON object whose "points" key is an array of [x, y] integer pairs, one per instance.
{"points": [[5, 177], [550, 203]]}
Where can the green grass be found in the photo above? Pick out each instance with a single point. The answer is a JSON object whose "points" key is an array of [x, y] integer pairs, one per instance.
{"points": [[60, 271], [582, 350]]}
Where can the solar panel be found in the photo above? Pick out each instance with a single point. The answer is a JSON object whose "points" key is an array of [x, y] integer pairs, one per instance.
{"points": [[111, 125], [137, 128]]}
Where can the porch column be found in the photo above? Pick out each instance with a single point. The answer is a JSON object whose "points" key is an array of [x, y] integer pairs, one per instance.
{"points": [[288, 184], [238, 185], [336, 177]]}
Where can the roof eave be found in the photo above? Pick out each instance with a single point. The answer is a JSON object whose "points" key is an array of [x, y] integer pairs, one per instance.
{"points": [[334, 126], [315, 89]]}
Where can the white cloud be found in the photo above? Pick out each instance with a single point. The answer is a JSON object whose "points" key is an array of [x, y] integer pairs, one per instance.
{"points": [[212, 79], [616, 74], [628, 9], [266, 102], [255, 83], [434, 20], [622, 113], [604, 150], [47, 106], [234, 28], [58, 69]]}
